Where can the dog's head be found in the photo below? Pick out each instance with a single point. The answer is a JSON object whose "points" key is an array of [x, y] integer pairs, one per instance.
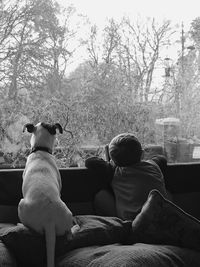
{"points": [[43, 134]]}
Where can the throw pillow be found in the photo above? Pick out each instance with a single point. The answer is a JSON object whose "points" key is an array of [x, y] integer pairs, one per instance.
{"points": [[162, 222]]}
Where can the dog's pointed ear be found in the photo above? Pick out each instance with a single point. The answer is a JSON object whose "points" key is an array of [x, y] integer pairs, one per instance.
{"points": [[59, 127], [30, 127]]}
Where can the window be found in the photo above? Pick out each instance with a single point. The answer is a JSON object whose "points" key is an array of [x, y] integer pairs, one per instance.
{"points": [[100, 68]]}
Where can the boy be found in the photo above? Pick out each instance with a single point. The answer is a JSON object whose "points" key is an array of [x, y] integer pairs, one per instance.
{"points": [[131, 178]]}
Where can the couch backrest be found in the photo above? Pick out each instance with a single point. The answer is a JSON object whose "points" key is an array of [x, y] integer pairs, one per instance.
{"points": [[79, 186]]}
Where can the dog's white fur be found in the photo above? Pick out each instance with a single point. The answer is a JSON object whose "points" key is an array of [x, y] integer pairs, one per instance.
{"points": [[41, 208]]}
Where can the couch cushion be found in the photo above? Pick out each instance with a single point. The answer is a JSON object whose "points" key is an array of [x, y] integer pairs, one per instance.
{"points": [[162, 222], [29, 247], [188, 202], [6, 257], [8, 214]]}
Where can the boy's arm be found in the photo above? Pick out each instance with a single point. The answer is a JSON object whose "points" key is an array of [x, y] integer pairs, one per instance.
{"points": [[161, 161], [100, 167]]}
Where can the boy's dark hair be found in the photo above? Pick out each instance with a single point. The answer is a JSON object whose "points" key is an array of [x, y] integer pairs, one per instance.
{"points": [[125, 150]]}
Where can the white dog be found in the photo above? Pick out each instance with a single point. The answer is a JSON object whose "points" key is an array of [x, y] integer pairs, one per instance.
{"points": [[41, 208]]}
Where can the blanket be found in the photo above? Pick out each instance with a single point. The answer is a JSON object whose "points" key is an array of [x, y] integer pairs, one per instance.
{"points": [[137, 255]]}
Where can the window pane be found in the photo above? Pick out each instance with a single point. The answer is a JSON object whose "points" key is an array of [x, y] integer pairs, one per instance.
{"points": [[98, 74]]}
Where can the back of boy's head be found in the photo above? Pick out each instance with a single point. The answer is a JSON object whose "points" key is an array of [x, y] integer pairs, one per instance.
{"points": [[125, 150]]}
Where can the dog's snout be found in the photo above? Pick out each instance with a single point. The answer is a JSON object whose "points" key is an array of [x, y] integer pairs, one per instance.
{"points": [[59, 127]]}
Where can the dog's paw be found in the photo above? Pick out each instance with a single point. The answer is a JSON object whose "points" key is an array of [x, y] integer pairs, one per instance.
{"points": [[75, 229], [72, 233]]}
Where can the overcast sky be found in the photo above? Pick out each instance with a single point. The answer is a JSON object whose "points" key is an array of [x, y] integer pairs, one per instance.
{"points": [[176, 10]]}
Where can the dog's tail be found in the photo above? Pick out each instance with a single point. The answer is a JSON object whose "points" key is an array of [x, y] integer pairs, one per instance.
{"points": [[50, 237]]}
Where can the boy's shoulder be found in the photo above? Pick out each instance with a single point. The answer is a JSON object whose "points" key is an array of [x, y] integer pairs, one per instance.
{"points": [[144, 163], [146, 166]]}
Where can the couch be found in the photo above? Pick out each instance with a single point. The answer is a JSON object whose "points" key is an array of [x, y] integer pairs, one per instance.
{"points": [[108, 242]]}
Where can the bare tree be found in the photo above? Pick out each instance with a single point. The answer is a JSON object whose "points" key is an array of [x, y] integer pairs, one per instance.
{"points": [[34, 46], [141, 45]]}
